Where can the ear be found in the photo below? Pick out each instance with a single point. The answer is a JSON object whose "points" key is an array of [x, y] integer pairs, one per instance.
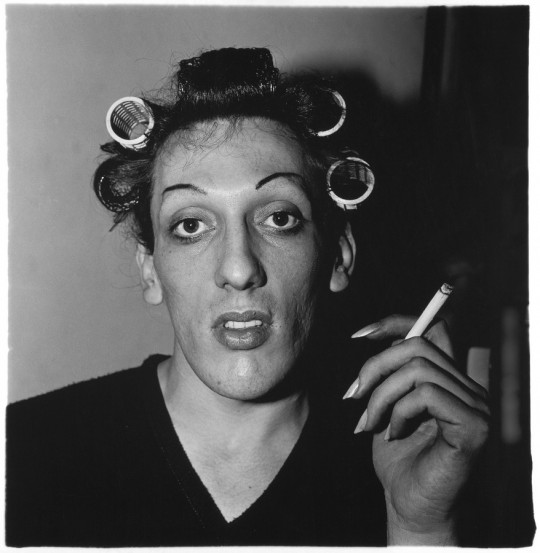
{"points": [[344, 263], [152, 291]]}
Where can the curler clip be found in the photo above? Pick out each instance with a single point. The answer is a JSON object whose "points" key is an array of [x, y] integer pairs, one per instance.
{"points": [[129, 122], [331, 114], [349, 182]]}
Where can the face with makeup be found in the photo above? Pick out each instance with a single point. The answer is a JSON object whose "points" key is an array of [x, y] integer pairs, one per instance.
{"points": [[238, 258]]}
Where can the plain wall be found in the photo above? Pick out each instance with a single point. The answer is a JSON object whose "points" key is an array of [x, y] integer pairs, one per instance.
{"points": [[75, 305]]}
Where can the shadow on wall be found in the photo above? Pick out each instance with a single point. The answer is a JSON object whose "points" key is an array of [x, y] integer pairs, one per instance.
{"points": [[450, 204]]}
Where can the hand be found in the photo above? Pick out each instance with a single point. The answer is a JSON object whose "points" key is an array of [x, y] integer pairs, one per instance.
{"points": [[429, 422]]}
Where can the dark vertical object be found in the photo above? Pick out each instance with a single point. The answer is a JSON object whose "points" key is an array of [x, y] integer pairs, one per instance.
{"points": [[475, 91], [433, 56]]}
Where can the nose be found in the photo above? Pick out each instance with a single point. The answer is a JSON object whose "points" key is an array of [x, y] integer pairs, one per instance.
{"points": [[239, 266]]}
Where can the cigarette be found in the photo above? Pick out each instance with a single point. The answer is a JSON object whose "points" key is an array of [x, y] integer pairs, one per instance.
{"points": [[433, 307]]}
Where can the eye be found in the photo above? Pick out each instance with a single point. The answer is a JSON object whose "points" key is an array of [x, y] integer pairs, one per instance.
{"points": [[190, 228], [282, 220]]}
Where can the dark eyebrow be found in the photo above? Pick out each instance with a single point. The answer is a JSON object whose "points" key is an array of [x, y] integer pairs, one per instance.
{"points": [[273, 176], [183, 187], [262, 182]]}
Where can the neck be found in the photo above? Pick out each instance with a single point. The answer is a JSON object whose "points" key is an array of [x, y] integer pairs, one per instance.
{"points": [[200, 413]]}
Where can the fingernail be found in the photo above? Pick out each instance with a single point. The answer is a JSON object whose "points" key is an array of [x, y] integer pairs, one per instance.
{"points": [[387, 434], [352, 390], [366, 331], [361, 423]]}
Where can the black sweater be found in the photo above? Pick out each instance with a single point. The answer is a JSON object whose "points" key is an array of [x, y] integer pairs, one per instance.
{"points": [[99, 464]]}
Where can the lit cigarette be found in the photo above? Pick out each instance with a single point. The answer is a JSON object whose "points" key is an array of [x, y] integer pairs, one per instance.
{"points": [[430, 311]]}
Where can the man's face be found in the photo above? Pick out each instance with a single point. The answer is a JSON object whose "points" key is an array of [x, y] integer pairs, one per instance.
{"points": [[237, 255]]}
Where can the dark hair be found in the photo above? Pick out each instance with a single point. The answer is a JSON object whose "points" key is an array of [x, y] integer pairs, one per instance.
{"points": [[220, 84]]}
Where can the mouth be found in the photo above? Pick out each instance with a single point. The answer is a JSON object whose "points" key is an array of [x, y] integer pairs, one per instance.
{"points": [[247, 324], [242, 331]]}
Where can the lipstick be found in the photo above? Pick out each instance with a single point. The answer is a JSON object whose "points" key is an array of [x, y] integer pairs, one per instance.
{"points": [[242, 330]]}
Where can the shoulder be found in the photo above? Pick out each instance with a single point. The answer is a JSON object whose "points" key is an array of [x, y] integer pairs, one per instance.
{"points": [[82, 405], [70, 456], [80, 429]]}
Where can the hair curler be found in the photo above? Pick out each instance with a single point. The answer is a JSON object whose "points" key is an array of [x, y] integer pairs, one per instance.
{"points": [[349, 182], [337, 102], [129, 122], [114, 197]]}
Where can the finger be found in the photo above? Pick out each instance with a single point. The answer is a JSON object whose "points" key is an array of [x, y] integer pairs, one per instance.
{"points": [[413, 374], [393, 326], [437, 333], [397, 327], [382, 365], [463, 428]]}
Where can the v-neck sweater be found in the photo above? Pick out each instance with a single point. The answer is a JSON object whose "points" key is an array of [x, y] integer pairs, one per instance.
{"points": [[99, 463]]}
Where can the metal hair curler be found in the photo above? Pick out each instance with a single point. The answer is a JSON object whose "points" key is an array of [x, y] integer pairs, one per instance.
{"points": [[339, 103], [129, 122], [349, 182]]}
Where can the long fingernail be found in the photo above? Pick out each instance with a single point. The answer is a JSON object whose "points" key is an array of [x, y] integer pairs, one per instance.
{"points": [[361, 423], [352, 390], [387, 434], [366, 331]]}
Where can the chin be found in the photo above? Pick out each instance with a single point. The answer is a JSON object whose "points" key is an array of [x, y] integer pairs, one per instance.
{"points": [[248, 379]]}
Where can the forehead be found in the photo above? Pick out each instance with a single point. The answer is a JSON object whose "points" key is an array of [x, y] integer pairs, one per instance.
{"points": [[223, 151]]}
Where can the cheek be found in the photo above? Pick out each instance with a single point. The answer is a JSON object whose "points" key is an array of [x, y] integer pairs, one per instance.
{"points": [[301, 284], [183, 286]]}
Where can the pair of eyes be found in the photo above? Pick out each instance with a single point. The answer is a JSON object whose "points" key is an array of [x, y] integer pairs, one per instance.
{"points": [[191, 227]]}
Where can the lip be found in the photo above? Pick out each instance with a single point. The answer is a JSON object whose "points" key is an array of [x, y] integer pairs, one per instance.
{"points": [[243, 317], [242, 338]]}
